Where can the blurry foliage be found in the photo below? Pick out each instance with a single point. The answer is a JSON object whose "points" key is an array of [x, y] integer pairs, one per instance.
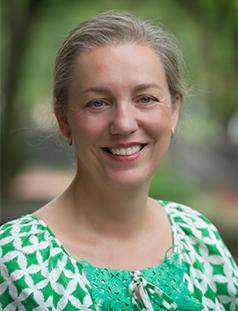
{"points": [[205, 29], [165, 185]]}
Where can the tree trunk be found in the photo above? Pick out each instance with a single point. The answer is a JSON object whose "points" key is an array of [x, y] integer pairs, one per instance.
{"points": [[18, 19]]}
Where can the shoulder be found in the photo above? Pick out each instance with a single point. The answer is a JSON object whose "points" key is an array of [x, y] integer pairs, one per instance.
{"points": [[211, 269], [177, 210], [189, 219], [24, 237], [19, 224], [24, 228], [197, 230], [35, 269]]}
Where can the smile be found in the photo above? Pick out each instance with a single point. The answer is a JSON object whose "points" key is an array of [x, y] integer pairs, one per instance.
{"points": [[125, 151]]}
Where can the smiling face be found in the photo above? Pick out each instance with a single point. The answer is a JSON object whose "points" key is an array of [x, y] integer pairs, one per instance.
{"points": [[120, 114]]}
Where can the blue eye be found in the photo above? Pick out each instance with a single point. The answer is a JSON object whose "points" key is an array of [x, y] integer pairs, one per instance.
{"points": [[147, 99], [97, 104]]}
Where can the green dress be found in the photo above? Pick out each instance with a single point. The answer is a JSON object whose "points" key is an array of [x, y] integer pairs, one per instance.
{"points": [[37, 273]]}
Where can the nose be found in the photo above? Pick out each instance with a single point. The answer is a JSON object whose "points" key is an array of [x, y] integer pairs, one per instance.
{"points": [[124, 120]]}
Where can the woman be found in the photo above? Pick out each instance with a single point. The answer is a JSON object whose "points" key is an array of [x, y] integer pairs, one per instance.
{"points": [[103, 244]]}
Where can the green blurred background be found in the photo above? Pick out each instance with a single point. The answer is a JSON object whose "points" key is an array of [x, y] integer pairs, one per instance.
{"points": [[201, 167]]}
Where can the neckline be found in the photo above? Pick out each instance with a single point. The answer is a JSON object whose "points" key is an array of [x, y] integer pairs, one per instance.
{"points": [[84, 262], [167, 259]]}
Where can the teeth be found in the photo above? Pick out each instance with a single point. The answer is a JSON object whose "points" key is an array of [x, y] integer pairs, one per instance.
{"points": [[125, 151]]}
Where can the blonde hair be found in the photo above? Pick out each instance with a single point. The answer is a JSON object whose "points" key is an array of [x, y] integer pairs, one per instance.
{"points": [[114, 28]]}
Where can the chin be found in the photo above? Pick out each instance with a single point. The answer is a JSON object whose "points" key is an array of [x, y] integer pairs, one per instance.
{"points": [[131, 179]]}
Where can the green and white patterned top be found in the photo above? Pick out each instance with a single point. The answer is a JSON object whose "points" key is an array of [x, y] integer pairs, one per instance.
{"points": [[37, 273]]}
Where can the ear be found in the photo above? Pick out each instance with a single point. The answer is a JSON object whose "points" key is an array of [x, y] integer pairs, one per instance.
{"points": [[63, 122], [175, 111]]}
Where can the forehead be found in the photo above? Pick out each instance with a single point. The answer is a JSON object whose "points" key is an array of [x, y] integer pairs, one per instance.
{"points": [[121, 65]]}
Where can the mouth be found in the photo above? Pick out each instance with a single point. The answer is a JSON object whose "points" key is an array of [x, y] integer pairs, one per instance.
{"points": [[125, 151]]}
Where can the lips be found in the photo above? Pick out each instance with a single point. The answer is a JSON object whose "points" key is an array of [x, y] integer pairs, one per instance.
{"points": [[124, 151]]}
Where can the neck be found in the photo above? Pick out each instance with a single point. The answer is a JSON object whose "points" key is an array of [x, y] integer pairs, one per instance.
{"points": [[107, 209]]}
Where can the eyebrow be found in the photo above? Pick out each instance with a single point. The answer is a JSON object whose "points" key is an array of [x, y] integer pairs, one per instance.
{"points": [[101, 89]]}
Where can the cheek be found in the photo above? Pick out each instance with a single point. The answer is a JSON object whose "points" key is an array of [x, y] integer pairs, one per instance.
{"points": [[159, 124], [88, 127]]}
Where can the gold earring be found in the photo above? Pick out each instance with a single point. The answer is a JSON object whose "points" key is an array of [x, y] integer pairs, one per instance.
{"points": [[172, 132]]}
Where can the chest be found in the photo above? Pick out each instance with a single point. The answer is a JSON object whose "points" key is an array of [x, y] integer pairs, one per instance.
{"points": [[127, 254]]}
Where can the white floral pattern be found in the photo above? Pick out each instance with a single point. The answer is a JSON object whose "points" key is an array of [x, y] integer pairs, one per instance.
{"points": [[37, 273]]}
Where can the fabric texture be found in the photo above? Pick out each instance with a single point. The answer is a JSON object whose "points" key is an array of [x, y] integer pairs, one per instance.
{"points": [[37, 273]]}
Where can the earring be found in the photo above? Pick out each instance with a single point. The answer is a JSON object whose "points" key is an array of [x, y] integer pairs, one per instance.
{"points": [[70, 141], [172, 132]]}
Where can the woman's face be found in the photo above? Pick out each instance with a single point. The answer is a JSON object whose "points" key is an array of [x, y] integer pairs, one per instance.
{"points": [[119, 114]]}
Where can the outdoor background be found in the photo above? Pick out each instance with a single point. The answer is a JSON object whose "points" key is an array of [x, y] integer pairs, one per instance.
{"points": [[201, 167]]}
